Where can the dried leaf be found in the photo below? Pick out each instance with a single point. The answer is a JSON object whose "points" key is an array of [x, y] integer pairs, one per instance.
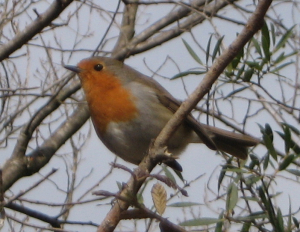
{"points": [[159, 197]]}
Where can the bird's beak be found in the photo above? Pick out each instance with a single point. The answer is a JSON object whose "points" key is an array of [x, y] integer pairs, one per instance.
{"points": [[73, 68]]}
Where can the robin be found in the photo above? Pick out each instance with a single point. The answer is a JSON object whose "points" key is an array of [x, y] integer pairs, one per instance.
{"points": [[129, 109]]}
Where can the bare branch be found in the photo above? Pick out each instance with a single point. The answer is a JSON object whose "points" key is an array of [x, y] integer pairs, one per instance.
{"points": [[34, 28]]}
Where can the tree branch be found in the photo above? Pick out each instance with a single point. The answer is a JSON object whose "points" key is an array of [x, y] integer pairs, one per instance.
{"points": [[42, 21]]}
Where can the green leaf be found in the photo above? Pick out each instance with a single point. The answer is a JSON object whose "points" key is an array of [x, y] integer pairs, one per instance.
{"points": [[296, 222], [254, 161], [253, 64], [269, 131], [268, 205], [294, 146], [268, 140], [248, 74], [283, 39], [282, 57], [237, 59], [223, 172], [182, 74], [295, 172], [140, 198], [232, 197], [168, 174], [266, 161], [251, 199], [200, 222], [262, 196], [184, 204], [289, 223], [273, 33], [280, 223], [246, 227], [265, 38], [120, 186], [281, 67], [294, 129], [240, 71], [287, 138], [252, 179], [192, 52], [217, 48], [252, 216], [257, 46], [208, 49], [219, 225], [179, 174]]}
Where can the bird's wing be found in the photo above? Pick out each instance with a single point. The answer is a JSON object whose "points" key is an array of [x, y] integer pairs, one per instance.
{"points": [[214, 138]]}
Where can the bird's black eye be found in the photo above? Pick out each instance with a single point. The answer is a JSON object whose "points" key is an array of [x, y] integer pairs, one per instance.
{"points": [[98, 67]]}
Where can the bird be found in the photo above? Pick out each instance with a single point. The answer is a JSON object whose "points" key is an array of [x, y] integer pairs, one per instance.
{"points": [[129, 109]]}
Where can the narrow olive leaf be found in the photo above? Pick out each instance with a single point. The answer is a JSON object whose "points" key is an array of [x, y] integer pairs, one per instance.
{"points": [[257, 46], [240, 72], [294, 146], [159, 197], [289, 223], [293, 128], [219, 225], [252, 216], [280, 223], [179, 174], [268, 139], [120, 186], [251, 199], [236, 170], [287, 138], [268, 205], [266, 161], [262, 196], [296, 222], [217, 48], [248, 75], [246, 227], [182, 74], [200, 222], [265, 39], [232, 197], [184, 204], [192, 52], [295, 172], [283, 39], [208, 49], [165, 180], [169, 174], [252, 179], [140, 198], [273, 34], [281, 67], [269, 131], [283, 57], [221, 176], [280, 58], [253, 64], [286, 162], [237, 59], [254, 161]]}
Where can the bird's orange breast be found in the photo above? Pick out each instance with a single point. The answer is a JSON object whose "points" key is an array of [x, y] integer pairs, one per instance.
{"points": [[108, 100]]}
